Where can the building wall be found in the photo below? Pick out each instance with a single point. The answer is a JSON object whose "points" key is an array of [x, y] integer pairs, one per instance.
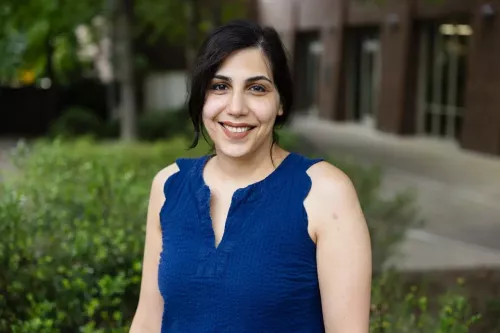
{"points": [[425, 9], [397, 32], [286, 15], [398, 21], [362, 14], [482, 119]]}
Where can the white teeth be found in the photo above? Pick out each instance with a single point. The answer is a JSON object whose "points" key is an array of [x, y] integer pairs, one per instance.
{"points": [[237, 129]]}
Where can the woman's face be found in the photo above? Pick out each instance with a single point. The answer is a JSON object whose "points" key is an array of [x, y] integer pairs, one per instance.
{"points": [[242, 104]]}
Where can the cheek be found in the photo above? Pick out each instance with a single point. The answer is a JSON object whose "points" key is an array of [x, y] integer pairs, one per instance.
{"points": [[213, 106], [265, 110]]}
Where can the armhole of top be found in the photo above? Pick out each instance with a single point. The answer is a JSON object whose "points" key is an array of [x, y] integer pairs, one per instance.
{"points": [[172, 186], [305, 184], [305, 179], [183, 164]]}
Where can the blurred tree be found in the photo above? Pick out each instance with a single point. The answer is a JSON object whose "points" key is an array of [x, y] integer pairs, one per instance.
{"points": [[39, 39], [12, 46], [123, 21], [186, 22], [38, 36]]}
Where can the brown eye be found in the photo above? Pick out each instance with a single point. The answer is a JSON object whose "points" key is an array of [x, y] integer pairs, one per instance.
{"points": [[259, 89], [218, 86]]}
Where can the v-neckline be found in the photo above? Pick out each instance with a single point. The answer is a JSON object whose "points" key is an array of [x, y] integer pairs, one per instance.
{"points": [[249, 192]]}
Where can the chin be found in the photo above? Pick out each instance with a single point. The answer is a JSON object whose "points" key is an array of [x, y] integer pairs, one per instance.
{"points": [[234, 150]]}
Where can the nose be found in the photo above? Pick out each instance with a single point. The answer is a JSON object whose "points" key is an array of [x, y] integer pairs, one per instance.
{"points": [[236, 105]]}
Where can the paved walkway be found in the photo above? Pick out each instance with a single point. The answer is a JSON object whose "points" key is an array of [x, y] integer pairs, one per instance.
{"points": [[459, 191], [6, 144]]}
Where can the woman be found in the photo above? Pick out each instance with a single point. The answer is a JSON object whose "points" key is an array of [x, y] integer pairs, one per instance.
{"points": [[251, 238]]}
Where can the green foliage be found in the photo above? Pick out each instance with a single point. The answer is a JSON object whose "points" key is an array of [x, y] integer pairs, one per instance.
{"points": [[158, 125], [77, 121], [27, 29], [12, 46], [72, 224], [400, 309], [31, 28], [170, 19], [152, 126]]}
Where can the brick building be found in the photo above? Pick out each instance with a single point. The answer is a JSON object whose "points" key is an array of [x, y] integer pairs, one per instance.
{"points": [[409, 67]]}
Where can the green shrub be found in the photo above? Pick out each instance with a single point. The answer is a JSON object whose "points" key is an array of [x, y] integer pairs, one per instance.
{"points": [[160, 125], [72, 224], [110, 129], [75, 122], [72, 220], [400, 309], [151, 126], [154, 125]]}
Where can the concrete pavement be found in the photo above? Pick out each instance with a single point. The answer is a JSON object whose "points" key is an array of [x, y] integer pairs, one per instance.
{"points": [[458, 191], [6, 145]]}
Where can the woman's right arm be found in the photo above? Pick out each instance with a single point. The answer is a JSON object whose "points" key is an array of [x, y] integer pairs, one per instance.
{"points": [[148, 315]]}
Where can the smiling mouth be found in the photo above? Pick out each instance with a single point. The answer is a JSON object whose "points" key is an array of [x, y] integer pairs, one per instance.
{"points": [[243, 128]]}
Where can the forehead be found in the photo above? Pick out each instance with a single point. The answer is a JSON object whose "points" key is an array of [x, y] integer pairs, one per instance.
{"points": [[245, 63]]}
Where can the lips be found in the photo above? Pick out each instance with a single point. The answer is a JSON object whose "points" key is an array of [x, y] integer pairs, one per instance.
{"points": [[236, 130]]}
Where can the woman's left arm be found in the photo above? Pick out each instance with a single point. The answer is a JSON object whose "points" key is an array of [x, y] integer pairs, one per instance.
{"points": [[343, 244]]}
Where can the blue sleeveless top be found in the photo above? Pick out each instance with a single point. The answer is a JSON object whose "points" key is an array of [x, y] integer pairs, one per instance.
{"points": [[261, 278]]}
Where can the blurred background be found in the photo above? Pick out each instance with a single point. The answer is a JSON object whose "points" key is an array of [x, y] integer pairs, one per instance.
{"points": [[403, 95]]}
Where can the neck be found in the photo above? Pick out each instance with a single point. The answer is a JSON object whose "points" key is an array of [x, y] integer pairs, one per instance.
{"points": [[251, 168]]}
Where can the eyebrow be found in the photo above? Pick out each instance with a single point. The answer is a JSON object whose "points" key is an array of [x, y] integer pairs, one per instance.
{"points": [[249, 80]]}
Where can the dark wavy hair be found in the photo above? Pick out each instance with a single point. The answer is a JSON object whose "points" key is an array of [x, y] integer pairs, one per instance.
{"points": [[222, 42]]}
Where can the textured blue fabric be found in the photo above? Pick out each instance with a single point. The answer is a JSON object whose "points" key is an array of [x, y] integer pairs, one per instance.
{"points": [[261, 278]]}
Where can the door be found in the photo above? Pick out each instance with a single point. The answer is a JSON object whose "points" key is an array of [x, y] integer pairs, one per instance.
{"points": [[313, 63], [307, 59], [363, 79], [442, 78], [369, 79]]}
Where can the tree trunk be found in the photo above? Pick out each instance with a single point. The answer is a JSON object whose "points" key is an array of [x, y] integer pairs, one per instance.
{"points": [[49, 72], [49, 54], [110, 33], [125, 59]]}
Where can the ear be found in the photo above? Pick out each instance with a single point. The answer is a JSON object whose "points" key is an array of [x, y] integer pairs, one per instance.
{"points": [[280, 110]]}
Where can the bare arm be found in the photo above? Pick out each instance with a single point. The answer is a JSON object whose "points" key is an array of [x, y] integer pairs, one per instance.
{"points": [[147, 318], [343, 250]]}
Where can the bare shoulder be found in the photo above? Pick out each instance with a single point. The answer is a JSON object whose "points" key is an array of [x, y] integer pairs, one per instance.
{"points": [[161, 177], [329, 182], [157, 196], [166, 172], [332, 200]]}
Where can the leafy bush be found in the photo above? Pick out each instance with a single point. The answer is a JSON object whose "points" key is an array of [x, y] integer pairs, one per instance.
{"points": [[159, 125], [397, 309], [72, 224], [151, 126], [72, 220], [77, 121]]}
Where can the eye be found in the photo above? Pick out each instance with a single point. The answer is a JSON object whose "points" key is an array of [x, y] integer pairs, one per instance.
{"points": [[218, 86], [258, 88]]}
